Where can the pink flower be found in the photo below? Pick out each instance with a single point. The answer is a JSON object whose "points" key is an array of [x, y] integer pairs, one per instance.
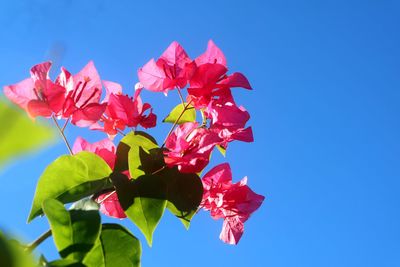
{"points": [[37, 95], [124, 111], [83, 96], [170, 71], [104, 148], [109, 203], [212, 55], [229, 120], [209, 80], [232, 202], [189, 147]]}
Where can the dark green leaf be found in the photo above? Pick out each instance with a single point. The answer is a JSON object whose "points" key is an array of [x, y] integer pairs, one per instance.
{"points": [[185, 191], [188, 116], [12, 254], [70, 178], [116, 247], [74, 232], [143, 200], [128, 151]]}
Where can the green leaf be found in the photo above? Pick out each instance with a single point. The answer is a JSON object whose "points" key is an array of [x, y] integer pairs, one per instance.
{"points": [[143, 200], [128, 151], [12, 254], [116, 247], [15, 125], [185, 192], [65, 263], [85, 204], [70, 178], [188, 116], [74, 232], [222, 150]]}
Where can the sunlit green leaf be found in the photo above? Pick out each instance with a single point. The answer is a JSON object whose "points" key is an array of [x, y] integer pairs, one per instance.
{"points": [[116, 247], [75, 231], [13, 135], [188, 116], [65, 263], [222, 150], [70, 178]]}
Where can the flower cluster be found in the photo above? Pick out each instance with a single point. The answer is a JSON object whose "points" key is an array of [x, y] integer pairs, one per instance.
{"points": [[78, 98], [187, 147]]}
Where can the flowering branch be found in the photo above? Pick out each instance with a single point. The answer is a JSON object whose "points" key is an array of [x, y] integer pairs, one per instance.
{"points": [[186, 107]]}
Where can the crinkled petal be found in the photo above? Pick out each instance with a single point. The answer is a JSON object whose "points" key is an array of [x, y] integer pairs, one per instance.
{"points": [[111, 88], [232, 230], [88, 115], [152, 77], [110, 206], [212, 55], [21, 93], [236, 79]]}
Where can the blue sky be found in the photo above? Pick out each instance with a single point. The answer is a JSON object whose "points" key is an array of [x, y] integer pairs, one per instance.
{"points": [[325, 113]]}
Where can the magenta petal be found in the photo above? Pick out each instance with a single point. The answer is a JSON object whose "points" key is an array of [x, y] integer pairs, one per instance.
{"points": [[236, 80], [232, 230], [151, 76], [220, 174], [21, 93], [110, 206], [212, 55], [40, 74], [39, 108], [175, 55], [244, 135], [88, 115], [111, 88], [90, 75], [104, 148]]}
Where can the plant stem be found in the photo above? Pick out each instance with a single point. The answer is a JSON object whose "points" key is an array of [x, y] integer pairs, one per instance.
{"points": [[176, 123], [62, 134], [38, 241], [65, 125], [181, 97]]}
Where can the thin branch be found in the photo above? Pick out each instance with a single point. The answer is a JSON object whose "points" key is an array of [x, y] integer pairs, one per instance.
{"points": [[120, 132], [62, 134], [176, 122], [38, 241], [181, 97], [65, 125], [109, 195]]}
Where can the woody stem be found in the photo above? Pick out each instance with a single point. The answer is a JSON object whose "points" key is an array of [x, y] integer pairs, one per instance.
{"points": [[38, 241], [62, 134], [176, 122]]}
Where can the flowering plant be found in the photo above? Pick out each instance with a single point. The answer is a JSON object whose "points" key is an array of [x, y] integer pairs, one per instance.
{"points": [[137, 178]]}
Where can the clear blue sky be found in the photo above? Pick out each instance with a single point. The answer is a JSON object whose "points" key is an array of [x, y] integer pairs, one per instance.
{"points": [[325, 112]]}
